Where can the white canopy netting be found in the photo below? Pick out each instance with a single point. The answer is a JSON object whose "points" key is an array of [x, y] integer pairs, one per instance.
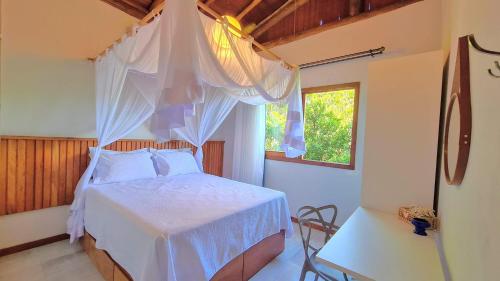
{"points": [[184, 72]]}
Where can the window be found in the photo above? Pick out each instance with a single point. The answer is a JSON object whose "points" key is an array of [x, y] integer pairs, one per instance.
{"points": [[330, 120]]}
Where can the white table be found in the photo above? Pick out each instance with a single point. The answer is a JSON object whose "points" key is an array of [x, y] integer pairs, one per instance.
{"points": [[373, 245]]}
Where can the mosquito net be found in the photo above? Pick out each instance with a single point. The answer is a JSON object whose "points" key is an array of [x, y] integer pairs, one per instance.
{"points": [[184, 72]]}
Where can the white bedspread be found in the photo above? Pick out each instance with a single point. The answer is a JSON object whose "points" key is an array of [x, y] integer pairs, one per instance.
{"points": [[182, 228]]}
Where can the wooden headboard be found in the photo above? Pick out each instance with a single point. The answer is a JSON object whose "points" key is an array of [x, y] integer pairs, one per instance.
{"points": [[42, 172]]}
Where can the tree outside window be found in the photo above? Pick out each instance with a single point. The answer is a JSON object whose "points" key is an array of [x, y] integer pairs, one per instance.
{"points": [[330, 120]]}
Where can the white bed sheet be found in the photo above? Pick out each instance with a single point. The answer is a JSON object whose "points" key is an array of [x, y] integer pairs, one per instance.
{"points": [[182, 228]]}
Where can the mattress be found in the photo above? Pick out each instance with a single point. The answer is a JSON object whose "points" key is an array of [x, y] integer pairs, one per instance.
{"points": [[184, 227]]}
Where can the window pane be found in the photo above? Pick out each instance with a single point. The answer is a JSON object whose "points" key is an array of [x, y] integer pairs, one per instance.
{"points": [[275, 125], [328, 126]]}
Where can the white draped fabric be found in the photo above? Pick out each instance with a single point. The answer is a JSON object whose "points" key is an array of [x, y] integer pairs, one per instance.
{"points": [[184, 72], [249, 144], [122, 104], [207, 52], [207, 119]]}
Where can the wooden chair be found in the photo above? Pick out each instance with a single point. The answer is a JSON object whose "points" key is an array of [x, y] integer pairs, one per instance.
{"points": [[307, 216]]}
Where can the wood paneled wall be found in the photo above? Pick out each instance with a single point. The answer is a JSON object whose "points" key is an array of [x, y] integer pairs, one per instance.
{"points": [[42, 172]]}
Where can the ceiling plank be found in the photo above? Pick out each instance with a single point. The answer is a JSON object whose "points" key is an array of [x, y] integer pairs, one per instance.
{"points": [[155, 4], [134, 11], [248, 9], [350, 20], [136, 5], [289, 7]]}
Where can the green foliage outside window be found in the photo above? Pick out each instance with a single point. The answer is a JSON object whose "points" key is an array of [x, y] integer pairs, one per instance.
{"points": [[328, 126], [275, 126]]}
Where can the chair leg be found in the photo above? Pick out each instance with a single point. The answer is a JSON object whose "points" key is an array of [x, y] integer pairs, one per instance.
{"points": [[345, 277], [316, 277], [303, 273]]}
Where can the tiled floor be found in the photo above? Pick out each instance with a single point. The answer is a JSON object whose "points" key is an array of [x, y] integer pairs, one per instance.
{"points": [[60, 261]]}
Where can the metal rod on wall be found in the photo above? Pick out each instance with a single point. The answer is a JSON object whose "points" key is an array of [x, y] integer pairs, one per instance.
{"points": [[368, 53]]}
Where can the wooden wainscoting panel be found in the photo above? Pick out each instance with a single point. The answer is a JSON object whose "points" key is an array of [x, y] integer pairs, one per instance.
{"points": [[42, 172], [11, 175], [3, 178], [30, 175], [39, 153], [47, 173], [69, 182], [21, 176]]}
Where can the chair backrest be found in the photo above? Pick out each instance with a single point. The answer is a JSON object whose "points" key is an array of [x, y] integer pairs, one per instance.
{"points": [[323, 216]]}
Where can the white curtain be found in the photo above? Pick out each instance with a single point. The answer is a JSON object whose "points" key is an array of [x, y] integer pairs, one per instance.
{"points": [[207, 119], [249, 144], [124, 101]]}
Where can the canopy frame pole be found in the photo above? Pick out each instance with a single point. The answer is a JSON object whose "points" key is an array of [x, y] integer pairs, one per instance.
{"points": [[158, 9]]}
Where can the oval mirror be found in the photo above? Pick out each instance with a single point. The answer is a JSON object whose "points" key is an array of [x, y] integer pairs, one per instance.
{"points": [[458, 124]]}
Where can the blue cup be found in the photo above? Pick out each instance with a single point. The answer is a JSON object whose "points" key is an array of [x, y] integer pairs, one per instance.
{"points": [[420, 226]]}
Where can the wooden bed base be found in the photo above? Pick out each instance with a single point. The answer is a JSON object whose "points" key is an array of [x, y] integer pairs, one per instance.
{"points": [[242, 268]]}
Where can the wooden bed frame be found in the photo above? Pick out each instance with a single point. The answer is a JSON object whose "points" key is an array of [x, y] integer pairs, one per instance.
{"points": [[242, 268]]}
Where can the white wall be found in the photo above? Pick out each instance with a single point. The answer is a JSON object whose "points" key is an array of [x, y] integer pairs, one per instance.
{"points": [[47, 84], [402, 32], [45, 96], [402, 128], [30, 226], [470, 225]]}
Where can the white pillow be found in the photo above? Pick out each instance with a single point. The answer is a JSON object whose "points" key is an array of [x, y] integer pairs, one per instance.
{"points": [[124, 167], [105, 151], [184, 149], [175, 163], [155, 151], [98, 167]]}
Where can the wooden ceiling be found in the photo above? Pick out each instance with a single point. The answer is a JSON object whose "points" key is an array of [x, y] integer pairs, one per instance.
{"points": [[274, 22]]}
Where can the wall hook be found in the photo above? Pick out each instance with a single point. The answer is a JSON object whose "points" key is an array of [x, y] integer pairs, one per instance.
{"points": [[497, 64], [476, 46]]}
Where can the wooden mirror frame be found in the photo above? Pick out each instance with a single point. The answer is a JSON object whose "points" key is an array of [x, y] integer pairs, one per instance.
{"points": [[461, 95]]}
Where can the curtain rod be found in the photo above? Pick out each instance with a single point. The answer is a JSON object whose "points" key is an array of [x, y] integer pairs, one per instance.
{"points": [[158, 9], [368, 53]]}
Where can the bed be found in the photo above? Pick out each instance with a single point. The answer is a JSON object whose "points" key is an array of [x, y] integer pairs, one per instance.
{"points": [[185, 227]]}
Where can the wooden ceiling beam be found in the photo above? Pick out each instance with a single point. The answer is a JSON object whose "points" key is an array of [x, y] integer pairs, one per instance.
{"points": [[289, 7], [144, 3], [155, 4], [128, 7], [152, 13], [248, 9]]}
